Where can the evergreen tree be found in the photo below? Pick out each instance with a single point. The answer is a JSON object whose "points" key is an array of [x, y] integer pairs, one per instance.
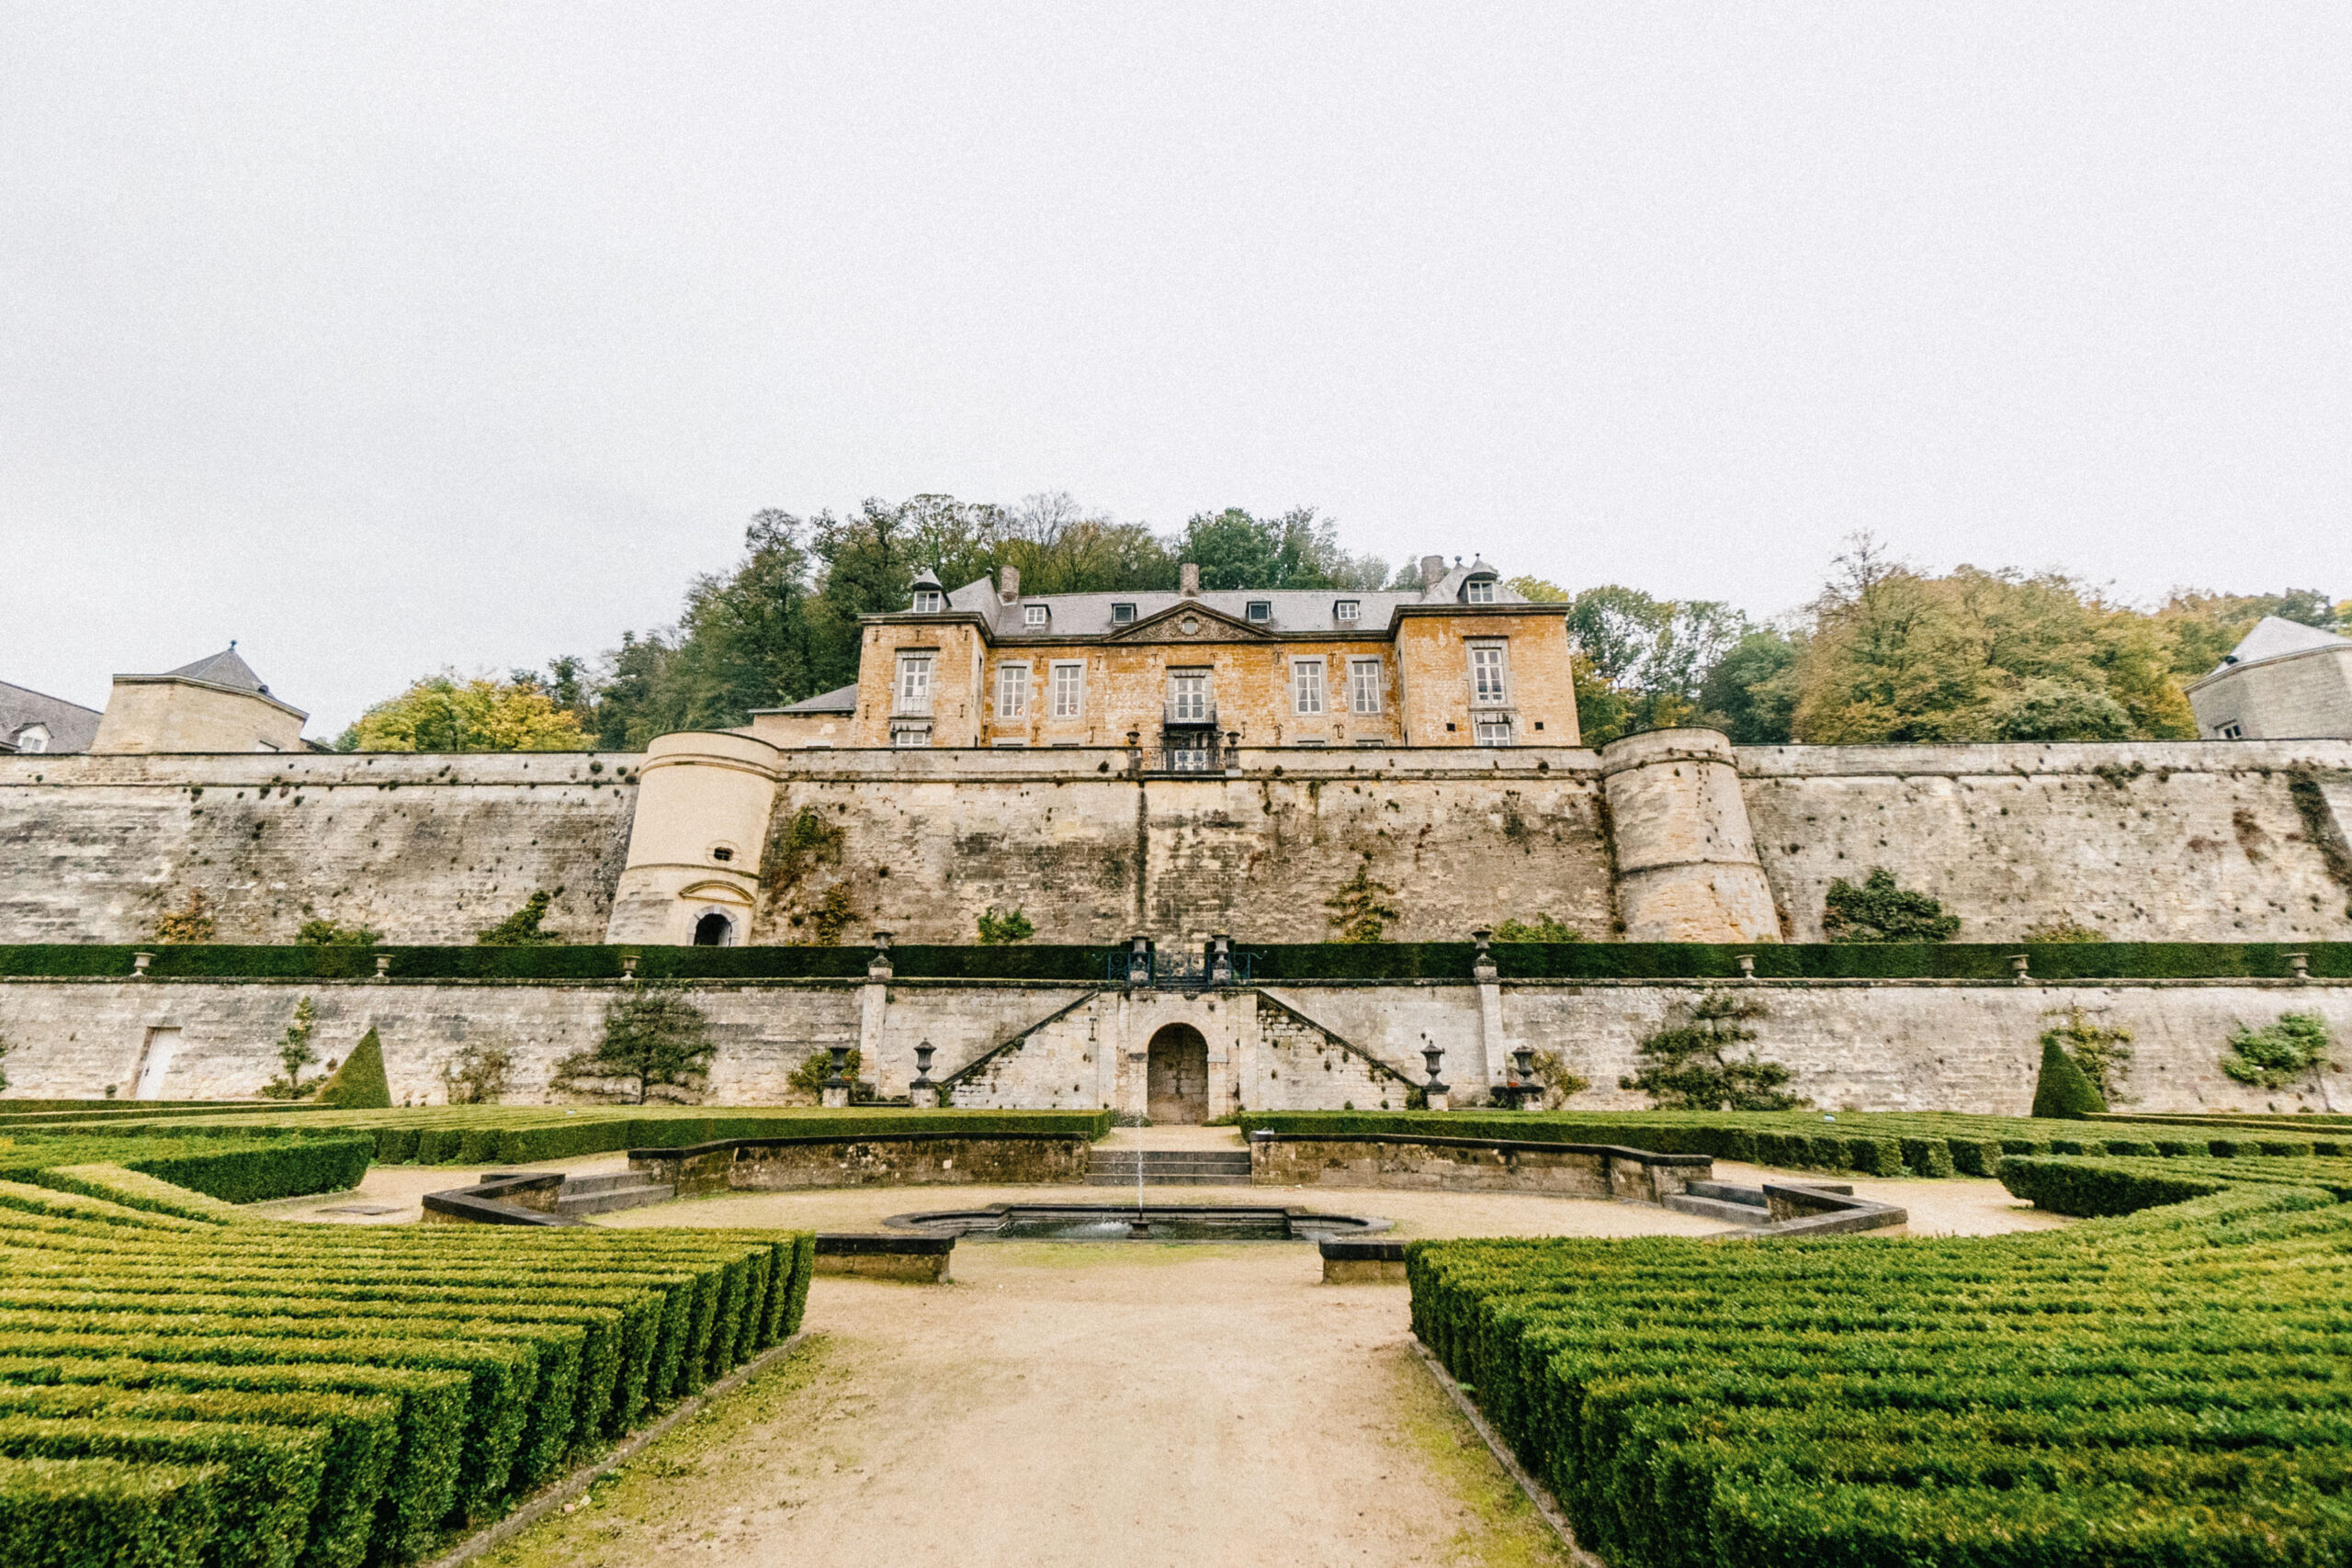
{"points": [[1684, 1067], [360, 1084], [656, 1045], [2064, 1092]]}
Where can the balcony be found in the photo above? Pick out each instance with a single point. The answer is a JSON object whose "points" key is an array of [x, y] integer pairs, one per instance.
{"points": [[1189, 716]]}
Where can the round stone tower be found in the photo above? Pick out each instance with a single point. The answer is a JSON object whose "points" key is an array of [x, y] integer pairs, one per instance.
{"points": [[1686, 858], [693, 876]]}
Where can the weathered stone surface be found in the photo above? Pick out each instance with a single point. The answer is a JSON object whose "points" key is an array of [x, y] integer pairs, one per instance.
{"points": [[1448, 1165], [767, 1165]]}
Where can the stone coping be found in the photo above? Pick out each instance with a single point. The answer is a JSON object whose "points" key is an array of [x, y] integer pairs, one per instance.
{"points": [[691, 1151], [1464, 982], [1360, 1249], [491, 1200], [1802, 1209], [873, 1244], [1510, 1145]]}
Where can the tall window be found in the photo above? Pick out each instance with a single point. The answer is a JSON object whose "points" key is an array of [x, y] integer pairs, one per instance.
{"points": [[1307, 685], [1478, 591], [1487, 675], [1012, 691], [1070, 690], [1188, 697], [1363, 685], [914, 683]]}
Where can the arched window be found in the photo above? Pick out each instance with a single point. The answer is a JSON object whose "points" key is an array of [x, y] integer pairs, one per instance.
{"points": [[714, 930]]}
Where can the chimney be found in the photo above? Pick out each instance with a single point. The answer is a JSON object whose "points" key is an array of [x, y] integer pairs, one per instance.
{"points": [[1188, 581], [1008, 583], [1432, 571]]}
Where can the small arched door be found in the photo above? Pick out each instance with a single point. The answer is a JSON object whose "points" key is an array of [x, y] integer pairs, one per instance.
{"points": [[714, 930], [1177, 1087]]}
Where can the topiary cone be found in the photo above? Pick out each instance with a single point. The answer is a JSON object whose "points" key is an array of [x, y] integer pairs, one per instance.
{"points": [[360, 1084], [2064, 1092]]}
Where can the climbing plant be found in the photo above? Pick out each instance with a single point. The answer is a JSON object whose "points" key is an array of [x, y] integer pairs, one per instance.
{"points": [[478, 1074], [809, 1077], [1543, 928], [1359, 909], [328, 933], [1684, 1067], [192, 922], [831, 916], [1879, 911], [1000, 930], [2278, 1055], [2103, 1051], [522, 928]]}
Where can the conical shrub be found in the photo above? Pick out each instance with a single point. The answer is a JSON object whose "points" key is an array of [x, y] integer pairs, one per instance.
{"points": [[360, 1084], [2064, 1092]]}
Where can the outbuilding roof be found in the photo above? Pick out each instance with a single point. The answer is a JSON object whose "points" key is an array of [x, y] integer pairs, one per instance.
{"points": [[2275, 636]]}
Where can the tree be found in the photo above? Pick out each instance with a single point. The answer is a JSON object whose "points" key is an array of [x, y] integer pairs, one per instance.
{"points": [[1881, 911], [1298, 550], [294, 1054], [445, 713], [1359, 909], [522, 928], [1684, 1067], [656, 1045], [1747, 694], [2279, 1055], [1641, 662]]}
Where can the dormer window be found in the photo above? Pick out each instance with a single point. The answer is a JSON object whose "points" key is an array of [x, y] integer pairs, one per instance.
{"points": [[1034, 616], [1121, 614], [1345, 609], [1260, 611], [929, 601], [1478, 591]]}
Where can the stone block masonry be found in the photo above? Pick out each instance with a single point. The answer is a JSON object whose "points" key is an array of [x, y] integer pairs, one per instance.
{"points": [[1902, 1045]]}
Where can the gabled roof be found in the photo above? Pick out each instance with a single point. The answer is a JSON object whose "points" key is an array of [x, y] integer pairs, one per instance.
{"points": [[222, 669], [2275, 636], [71, 726]]}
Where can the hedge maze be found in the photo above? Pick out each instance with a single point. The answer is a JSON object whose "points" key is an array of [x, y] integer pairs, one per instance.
{"points": [[2171, 1386], [184, 1386]]}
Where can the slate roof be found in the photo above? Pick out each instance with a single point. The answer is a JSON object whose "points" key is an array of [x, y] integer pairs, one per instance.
{"points": [[71, 726], [223, 669], [2276, 637], [840, 699], [1292, 609]]}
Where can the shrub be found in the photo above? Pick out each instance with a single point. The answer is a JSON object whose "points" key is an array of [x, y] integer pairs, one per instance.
{"points": [[360, 1084], [1879, 911], [522, 928], [2063, 931], [1685, 1067], [1000, 931], [2280, 1053], [192, 922], [656, 1044], [809, 1077], [1360, 911], [1561, 1083], [327, 934], [2062, 1092], [1544, 929], [71, 1512], [832, 916]]}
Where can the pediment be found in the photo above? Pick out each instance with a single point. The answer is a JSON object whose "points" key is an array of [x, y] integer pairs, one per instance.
{"points": [[1207, 625]]}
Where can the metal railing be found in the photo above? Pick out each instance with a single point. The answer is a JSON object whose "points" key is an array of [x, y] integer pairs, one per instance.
{"points": [[1177, 756]]}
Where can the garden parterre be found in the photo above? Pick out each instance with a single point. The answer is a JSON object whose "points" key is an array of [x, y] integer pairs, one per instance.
{"points": [[2172, 1385], [181, 1384]]}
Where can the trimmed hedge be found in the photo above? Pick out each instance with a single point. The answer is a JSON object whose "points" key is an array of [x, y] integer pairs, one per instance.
{"points": [[1275, 962], [520, 1134], [355, 1392], [2164, 1388], [243, 1170]]}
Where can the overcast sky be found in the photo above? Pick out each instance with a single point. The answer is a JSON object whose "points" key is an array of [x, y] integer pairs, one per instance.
{"points": [[385, 337]]}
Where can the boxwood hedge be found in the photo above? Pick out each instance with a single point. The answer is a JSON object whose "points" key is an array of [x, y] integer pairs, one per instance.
{"points": [[1303, 961], [2166, 1386], [274, 1395]]}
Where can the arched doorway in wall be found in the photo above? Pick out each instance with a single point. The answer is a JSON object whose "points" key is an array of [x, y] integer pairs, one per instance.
{"points": [[714, 930], [1177, 1085]]}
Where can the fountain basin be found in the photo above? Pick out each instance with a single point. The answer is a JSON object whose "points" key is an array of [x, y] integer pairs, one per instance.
{"points": [[1119, 1221]]}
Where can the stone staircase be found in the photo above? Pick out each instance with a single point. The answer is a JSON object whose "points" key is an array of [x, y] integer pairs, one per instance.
{"points": [[1168, 1167], [603, 1194]]}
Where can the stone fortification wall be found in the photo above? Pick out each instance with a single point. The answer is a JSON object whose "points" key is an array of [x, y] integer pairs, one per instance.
{"points": [[424, 849], [2157, 842], [1908, 1045]]}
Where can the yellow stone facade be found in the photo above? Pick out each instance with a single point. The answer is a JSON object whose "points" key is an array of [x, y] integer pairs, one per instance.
{"points": [[1431, 672]]}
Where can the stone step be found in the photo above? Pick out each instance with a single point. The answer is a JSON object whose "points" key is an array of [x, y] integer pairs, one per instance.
{"points": [[1718, 1209], [603, 1183], [1157, 1179], [1724, 1192], [605, 1200], [1173, 1162]]}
